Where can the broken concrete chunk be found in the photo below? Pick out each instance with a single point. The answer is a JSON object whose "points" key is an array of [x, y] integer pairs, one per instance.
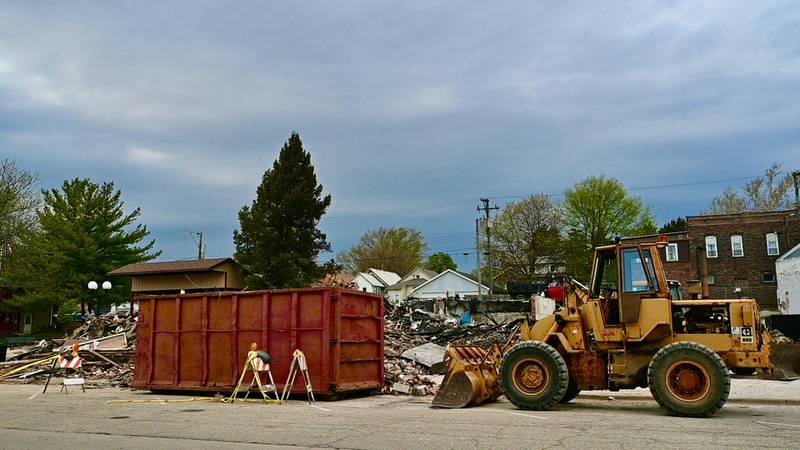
{"points": [[419, 391], [401, 388], [429, 355]]}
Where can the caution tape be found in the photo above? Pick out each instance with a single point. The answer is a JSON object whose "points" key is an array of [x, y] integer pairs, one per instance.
{"points": [[193, 399], [182, 400]]}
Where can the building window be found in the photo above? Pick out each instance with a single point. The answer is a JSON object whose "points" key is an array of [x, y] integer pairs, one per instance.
{"points": [[711, 279], [737, 247], [772, 244], [672, 252], [711, 246], [769, 277]]}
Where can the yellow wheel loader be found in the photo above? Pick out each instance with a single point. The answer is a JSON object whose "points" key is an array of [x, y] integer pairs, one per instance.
{"points": [[623, 331]]}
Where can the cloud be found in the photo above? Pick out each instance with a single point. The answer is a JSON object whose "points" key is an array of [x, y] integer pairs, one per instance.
{"points": [[145, 157], [402, 106]]}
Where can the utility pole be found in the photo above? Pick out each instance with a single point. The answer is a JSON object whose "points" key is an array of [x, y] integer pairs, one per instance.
{"points": [[199, 244], [486, 209], [478, 257], [796, 177]]}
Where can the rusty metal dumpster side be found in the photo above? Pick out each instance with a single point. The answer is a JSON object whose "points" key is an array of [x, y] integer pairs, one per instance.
{"points": [[199, 342]]}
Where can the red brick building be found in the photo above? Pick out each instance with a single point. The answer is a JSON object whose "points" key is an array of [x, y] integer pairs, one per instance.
{"points": [[677, 256], [740, 251]]}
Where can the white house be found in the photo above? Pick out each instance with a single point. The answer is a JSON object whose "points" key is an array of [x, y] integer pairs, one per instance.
{"points": [[375, 280], [787, 274], [400, 291], [448, 284]]}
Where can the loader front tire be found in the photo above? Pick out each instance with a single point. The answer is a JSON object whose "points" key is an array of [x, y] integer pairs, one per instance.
{"points": [[534, 375], [572, 391], [689, 379]]}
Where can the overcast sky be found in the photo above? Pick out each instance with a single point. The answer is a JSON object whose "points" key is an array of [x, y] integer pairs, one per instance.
{"points": [[410, 112]]}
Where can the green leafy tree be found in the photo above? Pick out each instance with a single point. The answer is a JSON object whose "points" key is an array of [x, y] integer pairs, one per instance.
{"points": [[770, 192], [397, 250], [278, 241], [84, 234], [674, 225], [596, 210], [440, 261], [527, 240]]}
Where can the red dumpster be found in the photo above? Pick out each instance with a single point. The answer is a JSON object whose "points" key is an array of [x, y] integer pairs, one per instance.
{"points": [[199, 342]]}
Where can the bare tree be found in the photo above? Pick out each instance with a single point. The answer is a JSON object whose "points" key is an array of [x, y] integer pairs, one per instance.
{"points": [[527, 239], [730, 202], [396, 249], [766, 193], [19, 200]]}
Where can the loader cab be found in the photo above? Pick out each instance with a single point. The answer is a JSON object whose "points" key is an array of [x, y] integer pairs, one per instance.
{"points": [[622, 276]]}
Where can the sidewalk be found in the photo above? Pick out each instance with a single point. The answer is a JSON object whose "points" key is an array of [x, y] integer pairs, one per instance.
{"points": [[743, 390]]}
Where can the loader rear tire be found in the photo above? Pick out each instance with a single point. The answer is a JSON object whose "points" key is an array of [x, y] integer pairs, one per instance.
{"points": [[572, 391], [534, 375], [689, 379]]}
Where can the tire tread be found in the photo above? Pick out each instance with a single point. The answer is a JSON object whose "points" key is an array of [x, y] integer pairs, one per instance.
{"points": [[562, 381], [720, 366]]}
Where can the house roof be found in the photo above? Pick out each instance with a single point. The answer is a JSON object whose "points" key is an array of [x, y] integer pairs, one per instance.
{"points": [[387, 278], [411, 282], [791, 254], [155, 268], [428, 273], [464, 275], [371, 279]]}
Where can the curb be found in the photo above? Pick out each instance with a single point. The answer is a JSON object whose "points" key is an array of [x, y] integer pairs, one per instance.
{"points": [[757, 401]]}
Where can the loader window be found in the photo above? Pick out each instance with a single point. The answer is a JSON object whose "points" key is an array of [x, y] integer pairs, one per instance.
{"points": [[605, 275], [634, 271]]}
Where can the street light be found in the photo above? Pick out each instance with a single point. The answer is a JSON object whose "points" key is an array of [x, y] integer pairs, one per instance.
{"points": [[93, 287]]}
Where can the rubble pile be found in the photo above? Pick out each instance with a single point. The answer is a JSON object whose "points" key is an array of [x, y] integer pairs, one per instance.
{"points": [[407, 328], [407, 377], [780, 338], [106, 347], [97, 327]]}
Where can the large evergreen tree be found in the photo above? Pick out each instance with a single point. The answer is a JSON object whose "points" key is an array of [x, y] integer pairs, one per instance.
{"points": [[278, 241], [83, 234], [676, 224]]}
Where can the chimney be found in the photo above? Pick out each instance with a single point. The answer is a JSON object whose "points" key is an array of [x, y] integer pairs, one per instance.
{"points": [[702, 270]]}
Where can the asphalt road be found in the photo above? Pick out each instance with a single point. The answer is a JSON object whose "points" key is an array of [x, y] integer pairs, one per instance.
{"points": [[77, 420]]}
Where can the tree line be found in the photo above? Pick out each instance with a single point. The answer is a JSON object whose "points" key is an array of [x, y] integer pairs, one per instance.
{"points": [[53, 241], [540, 235]]}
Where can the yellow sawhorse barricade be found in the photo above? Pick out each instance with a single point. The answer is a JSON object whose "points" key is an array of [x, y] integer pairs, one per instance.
{"points": [[256, 362]]}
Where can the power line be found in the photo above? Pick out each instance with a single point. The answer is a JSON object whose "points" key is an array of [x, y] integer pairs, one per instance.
{"points": [[694, 183]]}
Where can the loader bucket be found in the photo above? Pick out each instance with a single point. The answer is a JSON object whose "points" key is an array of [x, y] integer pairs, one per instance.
{"points": [[471, 378], [784, 361]]}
